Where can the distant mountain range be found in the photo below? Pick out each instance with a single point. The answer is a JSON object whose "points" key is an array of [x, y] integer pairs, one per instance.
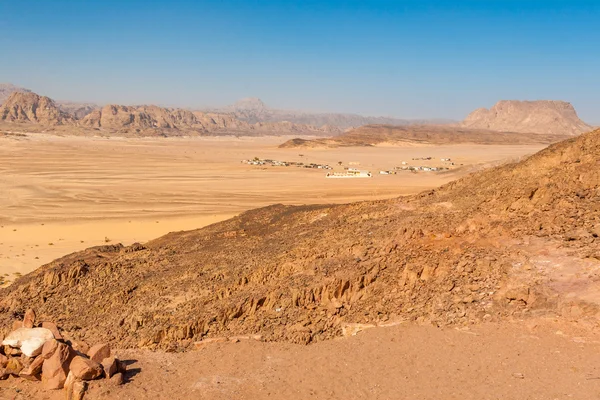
{"points": [[253, 117], [254, 110], [40, 113]]}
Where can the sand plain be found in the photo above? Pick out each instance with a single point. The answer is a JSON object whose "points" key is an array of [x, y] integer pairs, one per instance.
{"points": [[63, 194]]}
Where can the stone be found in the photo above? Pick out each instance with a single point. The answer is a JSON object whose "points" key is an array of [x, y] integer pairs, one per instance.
{"points": [[56, 366], [3, 360], [14, 366], [121, 366], [29, 340], [117, 379], [16, 325], [85, 369], [99, 352], [29, 319], [205, 342], [110, 366], [81, 347], [33, 371], [49, 348], [51, 326], [79, 389], [69, 385], [12, 351]]}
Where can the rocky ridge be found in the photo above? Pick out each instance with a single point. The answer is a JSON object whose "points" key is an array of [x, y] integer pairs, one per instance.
{"points": [[373, 135], [519, 240], [544, 117], [43, 112]]}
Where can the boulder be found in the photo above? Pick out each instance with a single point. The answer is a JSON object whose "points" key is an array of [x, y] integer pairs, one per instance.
{"points": [[81, 347], [79, 389], [51, 326], [99, 352], [28, 340], [3, 360], [110, 366], [33, 371], [29, 319], [85, 369], [57, 358], [117, 379], [16, 325]]}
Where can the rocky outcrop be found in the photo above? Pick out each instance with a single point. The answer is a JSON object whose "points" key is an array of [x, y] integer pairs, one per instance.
{"points": [[545, 117], [58, 363], [33, 108]]}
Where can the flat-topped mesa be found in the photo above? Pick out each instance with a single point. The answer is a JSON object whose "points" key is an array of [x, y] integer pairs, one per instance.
{"points": [[31, 107], [543, 116]]}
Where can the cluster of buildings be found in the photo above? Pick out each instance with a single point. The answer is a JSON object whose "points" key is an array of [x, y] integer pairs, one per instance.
{"points": [[277, 163]]}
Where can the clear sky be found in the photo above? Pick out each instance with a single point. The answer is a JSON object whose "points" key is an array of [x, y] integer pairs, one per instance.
{"points": [[399, 58]]}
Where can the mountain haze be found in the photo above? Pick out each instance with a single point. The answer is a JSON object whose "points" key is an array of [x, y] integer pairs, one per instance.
{"points": [[254, 110]]}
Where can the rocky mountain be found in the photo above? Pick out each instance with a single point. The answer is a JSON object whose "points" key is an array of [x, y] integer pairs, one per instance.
{"points": [[545, 117], [33, 108], [146, 120], [6, 89], [254, 110], [511, 242], [372, 135]]}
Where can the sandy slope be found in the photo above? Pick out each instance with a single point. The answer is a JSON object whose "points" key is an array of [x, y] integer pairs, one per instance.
{"points": [[75, 192]]}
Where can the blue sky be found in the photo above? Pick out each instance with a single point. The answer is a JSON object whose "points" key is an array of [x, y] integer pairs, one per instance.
{"points": [[410, 59]]}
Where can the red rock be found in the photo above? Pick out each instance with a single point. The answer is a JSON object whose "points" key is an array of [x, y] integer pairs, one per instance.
{"points": [[56, 366], [29, 319], [110, 366], [99, 352], [81, 347], [49, 348], [121, 366], [85, 369], [16, 325], [79, 389], [33, 371], [3, 360], [117, 379], [3, 374], [51, 326]]}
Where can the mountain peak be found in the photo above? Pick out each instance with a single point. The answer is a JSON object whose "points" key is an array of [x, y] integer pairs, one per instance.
{"points": [[539, 116], [250, 104], [6, 89]]}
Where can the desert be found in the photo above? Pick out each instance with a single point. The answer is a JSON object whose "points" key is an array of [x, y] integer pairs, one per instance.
{"points": [[299, 200]]}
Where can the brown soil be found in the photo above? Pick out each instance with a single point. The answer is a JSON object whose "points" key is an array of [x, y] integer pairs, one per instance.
{"points": [[510, 361]]}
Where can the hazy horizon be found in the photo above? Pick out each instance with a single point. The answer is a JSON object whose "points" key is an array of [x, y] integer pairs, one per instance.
{"points": [[403, 59]]}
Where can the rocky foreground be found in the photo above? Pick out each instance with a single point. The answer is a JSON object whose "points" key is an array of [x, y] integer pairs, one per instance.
{"points": [[521, 240], [38, 352]]}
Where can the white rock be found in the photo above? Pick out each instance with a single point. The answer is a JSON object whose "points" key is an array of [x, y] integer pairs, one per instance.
{"points": [[29, 340]]}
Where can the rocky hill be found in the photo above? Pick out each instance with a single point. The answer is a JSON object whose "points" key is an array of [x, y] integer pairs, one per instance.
{"points": [[545, 117], [254, 110], [514, 241], [147, 120], [28, 107], [372, 135]]}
